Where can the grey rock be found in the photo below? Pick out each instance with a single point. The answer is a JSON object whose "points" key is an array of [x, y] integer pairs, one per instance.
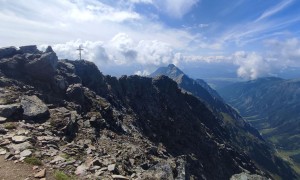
{"points": [[111, 167], [75, 93], [161, 170], [34, 108], [8, 155], [60, 83], [118, 177], [19, 139], [2, 119], [25, 153], [7, 52], [9, 110], [181, 168], [246, 176], [81, 170], [29, 49], [2, 151], [49, 49], [58, 159], [43, 68], [19, 147], [3, 131], [40, 174]]}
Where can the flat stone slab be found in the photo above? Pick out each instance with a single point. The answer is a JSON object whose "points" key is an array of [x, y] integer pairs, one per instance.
{"points": [[25, 153], [19, 139]]}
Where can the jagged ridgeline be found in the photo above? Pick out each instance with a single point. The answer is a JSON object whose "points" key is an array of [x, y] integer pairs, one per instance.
{"points": [[93, 126]]}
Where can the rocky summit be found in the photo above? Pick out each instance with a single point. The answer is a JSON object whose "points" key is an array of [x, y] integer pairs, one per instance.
{"points": [[67, 116]]}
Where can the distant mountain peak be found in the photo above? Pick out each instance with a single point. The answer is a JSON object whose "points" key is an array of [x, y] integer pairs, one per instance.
{"points": [[171, 66]]}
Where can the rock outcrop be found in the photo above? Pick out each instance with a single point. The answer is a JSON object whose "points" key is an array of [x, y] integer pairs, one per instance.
{"points": [[92, 126], [34, 108]]}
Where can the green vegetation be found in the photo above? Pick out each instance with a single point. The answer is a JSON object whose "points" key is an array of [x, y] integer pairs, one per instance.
{"points": [[33, 161], [286, 155], [10, 126], [66, 156], [60, 175], [227, 118]]}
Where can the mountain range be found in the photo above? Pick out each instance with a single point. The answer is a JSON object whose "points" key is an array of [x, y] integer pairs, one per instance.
{"points": [[272, 106], [200, 89], [70, 117]]}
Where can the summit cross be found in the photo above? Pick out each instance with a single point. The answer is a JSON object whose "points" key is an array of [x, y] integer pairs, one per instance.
{"points": [[79, 49]]}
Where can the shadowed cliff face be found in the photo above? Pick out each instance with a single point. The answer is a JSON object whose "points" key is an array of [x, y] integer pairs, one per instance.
{"points": [[147, 126]]}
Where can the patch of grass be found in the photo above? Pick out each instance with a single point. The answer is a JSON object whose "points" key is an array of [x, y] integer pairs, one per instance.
{"points": [[66, 156], [10, 126], [285, 154], [33, 161], [227, 118], [60, 175]]}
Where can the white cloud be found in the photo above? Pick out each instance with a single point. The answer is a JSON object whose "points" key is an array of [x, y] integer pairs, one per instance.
{"points": [[154, 52], [92, 51], [175, 8], [120, 50], [142, 73], [251, 65], [278, 56]]}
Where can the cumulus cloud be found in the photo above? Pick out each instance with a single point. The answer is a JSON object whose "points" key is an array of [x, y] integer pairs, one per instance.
{"points": [[154, 52], [142, 73], [93, 51], [251, 65], [278, 56], [120, 50]]}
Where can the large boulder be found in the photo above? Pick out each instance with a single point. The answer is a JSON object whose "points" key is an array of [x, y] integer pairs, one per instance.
{"points": [[7, 52], [13, 66], [34, 108], [43, 68]]}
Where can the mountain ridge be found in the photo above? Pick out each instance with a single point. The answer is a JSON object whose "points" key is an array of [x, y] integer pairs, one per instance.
{"points": [[220, 109]]}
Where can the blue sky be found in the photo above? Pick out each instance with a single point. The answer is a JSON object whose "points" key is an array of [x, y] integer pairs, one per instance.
{"points": [[257, 37]]}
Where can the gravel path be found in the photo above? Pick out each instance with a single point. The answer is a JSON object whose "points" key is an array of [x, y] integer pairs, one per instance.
{"points": [[18, 171]]}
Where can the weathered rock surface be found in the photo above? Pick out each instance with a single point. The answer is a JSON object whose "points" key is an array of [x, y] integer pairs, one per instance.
{"points": [[43, 68], [34, 108], [75, 93], [25, 153]]}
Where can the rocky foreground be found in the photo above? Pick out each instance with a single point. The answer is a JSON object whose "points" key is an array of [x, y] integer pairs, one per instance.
{"points": [[65, 115]]}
